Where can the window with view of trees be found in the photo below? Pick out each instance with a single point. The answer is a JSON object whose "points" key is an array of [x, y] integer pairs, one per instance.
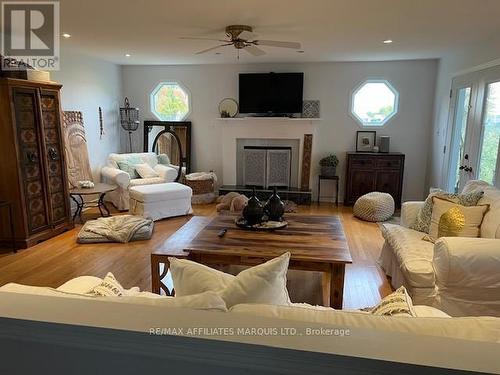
{"points": [[374, 102], [491, 134], [170, 102]]}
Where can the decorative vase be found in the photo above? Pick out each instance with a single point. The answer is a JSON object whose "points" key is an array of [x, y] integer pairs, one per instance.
{"points": [[328, 170], [254, 210], [274, 208]]}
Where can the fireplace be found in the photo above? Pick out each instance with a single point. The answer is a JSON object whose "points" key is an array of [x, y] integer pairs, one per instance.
{"points": [[267, 166], [265, 163]]}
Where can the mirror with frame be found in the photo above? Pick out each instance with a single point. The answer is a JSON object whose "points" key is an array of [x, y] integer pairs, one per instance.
{"points": [[172, 138]]}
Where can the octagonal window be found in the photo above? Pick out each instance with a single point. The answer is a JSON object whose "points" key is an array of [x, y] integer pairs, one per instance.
{"points": [[170, 102], [374, 102]]}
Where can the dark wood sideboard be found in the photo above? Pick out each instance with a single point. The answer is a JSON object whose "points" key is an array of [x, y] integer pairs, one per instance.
{"points": [[367, 172]]}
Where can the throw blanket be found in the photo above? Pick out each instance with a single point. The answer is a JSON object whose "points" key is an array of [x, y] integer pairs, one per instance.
{"points": [[119, 228]]}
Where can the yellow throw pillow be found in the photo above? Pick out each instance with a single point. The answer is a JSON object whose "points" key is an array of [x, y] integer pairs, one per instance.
{"points": [[450, 219]]}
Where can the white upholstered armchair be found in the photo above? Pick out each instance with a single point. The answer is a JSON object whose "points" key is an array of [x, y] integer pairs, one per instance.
{"points": [[112, 174]]}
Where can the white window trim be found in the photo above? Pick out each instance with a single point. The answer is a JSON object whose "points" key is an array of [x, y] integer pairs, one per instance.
{"points": [[358, 120], [170, 82]]}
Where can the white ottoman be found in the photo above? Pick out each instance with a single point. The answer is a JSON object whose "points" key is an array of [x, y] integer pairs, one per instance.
{"points": [[374, 206], [159, 201]]}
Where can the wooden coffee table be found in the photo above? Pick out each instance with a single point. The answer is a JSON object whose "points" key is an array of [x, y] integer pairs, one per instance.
{"points": [[316, 243]]}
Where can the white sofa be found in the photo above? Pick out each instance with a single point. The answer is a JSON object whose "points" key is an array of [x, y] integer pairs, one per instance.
{"points": [[472, 342], [460, 276], [111, 174]]}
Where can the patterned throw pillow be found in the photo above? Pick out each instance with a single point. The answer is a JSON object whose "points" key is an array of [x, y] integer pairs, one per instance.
{"points": [[423, 221], [109, 287], [398, 303], [163, 159], [454, 220]]}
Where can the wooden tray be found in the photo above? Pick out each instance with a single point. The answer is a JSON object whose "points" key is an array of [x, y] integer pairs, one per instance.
{"points": [[264, 226]]}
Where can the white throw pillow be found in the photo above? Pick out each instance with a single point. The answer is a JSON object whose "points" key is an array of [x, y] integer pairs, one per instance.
{"points": [[265, 283], [80, 285], [145, 171]]}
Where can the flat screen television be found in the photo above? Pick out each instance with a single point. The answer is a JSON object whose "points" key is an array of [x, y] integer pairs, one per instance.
{"points": [[271, 94]]}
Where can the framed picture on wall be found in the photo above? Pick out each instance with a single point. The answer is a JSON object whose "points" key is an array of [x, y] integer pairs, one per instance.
{"points": [[365, 141]]}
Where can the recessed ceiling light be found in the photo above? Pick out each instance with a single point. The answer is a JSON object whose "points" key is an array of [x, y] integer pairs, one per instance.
{"points": [[387, 41], [127, 55], [66, 35]]}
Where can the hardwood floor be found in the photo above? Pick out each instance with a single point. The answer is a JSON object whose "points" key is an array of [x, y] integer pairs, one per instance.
{"points": [[57, 260]]}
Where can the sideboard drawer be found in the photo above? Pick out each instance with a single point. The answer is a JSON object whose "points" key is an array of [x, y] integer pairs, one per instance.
{"points": [[362, 162], [388, 163]]}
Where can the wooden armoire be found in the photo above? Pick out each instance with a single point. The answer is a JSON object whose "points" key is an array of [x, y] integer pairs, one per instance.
{"points": [[32, 166]]}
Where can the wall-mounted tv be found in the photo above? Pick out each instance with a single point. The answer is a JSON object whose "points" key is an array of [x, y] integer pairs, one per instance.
{"points": [[271, 94]]}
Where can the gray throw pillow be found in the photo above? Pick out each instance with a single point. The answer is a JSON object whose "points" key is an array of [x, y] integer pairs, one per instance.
{"points": [[423, 221], [163, 159], [129, 168]]}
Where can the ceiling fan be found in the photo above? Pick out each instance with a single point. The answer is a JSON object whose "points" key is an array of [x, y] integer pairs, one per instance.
{"points": [[243, 38]]}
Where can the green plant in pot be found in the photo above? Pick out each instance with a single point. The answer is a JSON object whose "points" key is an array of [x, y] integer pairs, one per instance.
{"points": [[329, 165]]}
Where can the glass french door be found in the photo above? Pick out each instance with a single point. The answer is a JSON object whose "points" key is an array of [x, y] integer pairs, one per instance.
{"points": [[474, 151], [490, 138]]}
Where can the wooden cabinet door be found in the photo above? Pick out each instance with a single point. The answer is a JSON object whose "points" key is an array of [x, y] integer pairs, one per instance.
{"points": [[362, 182], [53, 150], [31, 157], [389, 182]]}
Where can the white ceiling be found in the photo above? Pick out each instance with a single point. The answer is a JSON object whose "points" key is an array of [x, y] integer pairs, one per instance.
{"points": [[329, 30]]}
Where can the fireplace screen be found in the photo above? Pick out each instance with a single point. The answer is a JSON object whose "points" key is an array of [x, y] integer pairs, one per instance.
{"points": [[267, 166]]}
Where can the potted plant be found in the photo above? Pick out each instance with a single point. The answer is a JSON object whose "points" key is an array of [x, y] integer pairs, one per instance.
{"points": [[329, 165]]}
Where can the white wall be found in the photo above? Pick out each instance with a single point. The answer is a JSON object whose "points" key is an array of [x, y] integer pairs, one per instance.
{"points": [[450, 66], [331, 83], [87, 84]]}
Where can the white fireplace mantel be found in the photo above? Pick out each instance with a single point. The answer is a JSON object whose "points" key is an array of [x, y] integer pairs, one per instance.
{"points": [[232, 129]]}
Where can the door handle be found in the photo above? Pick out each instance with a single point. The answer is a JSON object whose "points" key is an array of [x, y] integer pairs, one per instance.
{"points": [[52, 153], [31, 156]]}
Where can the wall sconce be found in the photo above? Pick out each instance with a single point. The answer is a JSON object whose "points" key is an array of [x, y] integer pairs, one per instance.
{"points": [[129, 119]]}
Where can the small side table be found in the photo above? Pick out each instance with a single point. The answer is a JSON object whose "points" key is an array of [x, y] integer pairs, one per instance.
{"points": [[334, 178], [99, 189], [11, 223]]}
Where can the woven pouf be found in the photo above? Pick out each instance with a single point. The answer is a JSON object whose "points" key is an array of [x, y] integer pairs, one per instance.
{"points": [[374, 206]]}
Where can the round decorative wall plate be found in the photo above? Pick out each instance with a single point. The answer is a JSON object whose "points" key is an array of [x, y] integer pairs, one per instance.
{"points": [[228, 107]]}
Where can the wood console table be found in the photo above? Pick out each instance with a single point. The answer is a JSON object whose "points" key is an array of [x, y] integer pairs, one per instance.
{"points": [[316, 243]]}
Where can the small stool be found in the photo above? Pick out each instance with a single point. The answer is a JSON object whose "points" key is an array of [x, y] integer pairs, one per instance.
{"points": [[159, 201], [374, 207]]}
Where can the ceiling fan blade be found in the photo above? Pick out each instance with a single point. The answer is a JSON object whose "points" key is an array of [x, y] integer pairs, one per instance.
{"points": [[196, 38], [276, 43], [253, 50], [212, 48], [247, 35]]}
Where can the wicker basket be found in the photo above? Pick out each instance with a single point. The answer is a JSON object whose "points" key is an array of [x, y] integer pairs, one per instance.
{"points": [[200, 186]]}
